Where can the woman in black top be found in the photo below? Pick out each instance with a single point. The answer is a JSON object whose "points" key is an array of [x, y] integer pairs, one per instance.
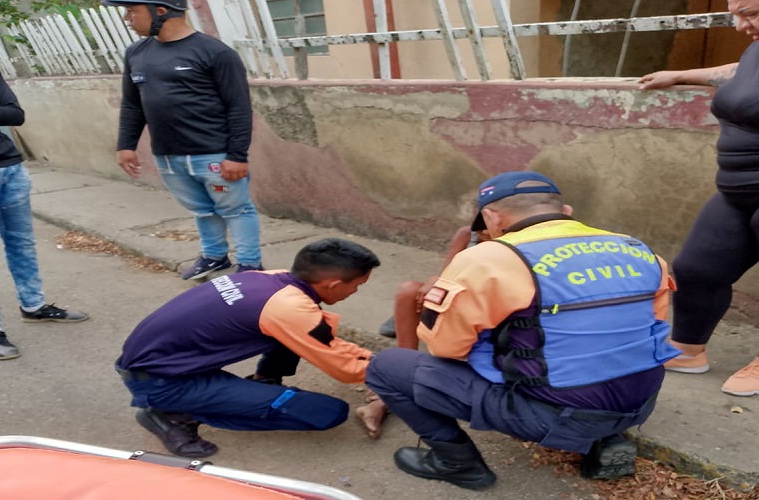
{"points": [[724, 241]]}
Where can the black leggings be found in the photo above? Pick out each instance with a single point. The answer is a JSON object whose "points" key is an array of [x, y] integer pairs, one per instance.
{"points": [[722, 245]]}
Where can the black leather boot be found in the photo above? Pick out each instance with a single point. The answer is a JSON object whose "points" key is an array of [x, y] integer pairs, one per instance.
{"points": [[457, 463], [610, 458], [177, 431]]}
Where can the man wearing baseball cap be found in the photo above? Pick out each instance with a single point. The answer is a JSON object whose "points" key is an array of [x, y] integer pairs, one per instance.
{"points": [[553, 332]]}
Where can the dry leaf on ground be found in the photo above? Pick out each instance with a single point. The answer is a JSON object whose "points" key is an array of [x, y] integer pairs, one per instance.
{"points": [[652, 481], [83, 242]]}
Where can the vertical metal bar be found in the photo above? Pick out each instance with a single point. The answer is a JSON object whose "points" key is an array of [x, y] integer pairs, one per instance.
{"points": [[71, 45], [24, 52], [300, 54], [626, 41], [271, 37], [192, 16], [227, 17], [57, 46], [454, 58], [111, 60], [29, 31], [40, 48], [259, 53], [65, 52], [232, 24], [122, 36], [509, 37], [568, 41], [84, 43], [75, 48], [114, 43], [103, 42], [113, 19], [383, 49], [249, 59], [475, 38], [6, 64]]}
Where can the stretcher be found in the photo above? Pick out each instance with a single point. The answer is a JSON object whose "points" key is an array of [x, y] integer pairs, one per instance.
{"points": [[35, 468]]}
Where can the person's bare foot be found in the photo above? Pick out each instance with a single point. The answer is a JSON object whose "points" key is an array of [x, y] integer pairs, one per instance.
{"points": [[372, 415]]}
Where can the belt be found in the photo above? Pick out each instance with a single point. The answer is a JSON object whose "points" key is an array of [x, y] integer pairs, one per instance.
{"points": [[129, 375], [585, 415]]}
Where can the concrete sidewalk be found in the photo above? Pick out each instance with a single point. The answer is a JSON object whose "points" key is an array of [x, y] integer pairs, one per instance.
{"points": [[695, 428]]}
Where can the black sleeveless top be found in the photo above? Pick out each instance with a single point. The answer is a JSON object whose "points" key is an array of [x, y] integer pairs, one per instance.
{"points": [[736, 106]]}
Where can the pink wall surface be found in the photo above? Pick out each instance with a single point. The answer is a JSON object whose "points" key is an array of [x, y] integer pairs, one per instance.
{"points": [[401, 160]]}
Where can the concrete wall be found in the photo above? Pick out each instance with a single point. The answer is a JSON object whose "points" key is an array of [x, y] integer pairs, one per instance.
{"points": [[402, 160]]}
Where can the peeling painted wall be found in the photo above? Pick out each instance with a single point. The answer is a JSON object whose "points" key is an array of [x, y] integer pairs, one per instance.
{"points": [[402, 160]]}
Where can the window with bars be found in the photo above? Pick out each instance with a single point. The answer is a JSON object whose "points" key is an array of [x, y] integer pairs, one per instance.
{"points": [[284, 13]]}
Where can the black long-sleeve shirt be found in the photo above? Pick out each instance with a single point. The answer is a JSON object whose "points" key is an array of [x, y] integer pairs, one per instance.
{"points": [[11, 115], [192, 93]]}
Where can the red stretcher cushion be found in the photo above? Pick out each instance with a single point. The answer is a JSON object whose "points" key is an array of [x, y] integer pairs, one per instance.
{"points": [[35, 474]]}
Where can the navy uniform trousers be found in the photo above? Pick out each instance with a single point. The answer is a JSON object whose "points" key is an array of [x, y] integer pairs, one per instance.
{"points": [[430, 394], [221, 399]]}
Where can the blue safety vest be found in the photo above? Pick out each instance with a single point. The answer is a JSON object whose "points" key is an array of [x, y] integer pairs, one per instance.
{"points": [[594, 293]]}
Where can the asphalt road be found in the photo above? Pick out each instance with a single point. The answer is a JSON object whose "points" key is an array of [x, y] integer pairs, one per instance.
{"points": [[64, 387]]}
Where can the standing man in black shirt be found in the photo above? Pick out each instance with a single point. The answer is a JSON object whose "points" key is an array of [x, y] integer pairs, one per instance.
{"points": [[191, 90], [17, 232]]}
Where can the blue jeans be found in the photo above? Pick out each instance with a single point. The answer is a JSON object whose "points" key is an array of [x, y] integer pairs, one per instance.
{"points": [[218, 205], [18, 235]]}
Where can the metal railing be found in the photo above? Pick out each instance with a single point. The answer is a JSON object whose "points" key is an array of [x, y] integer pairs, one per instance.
{"points": [[58, 45], [95, 43], [505, 30]]}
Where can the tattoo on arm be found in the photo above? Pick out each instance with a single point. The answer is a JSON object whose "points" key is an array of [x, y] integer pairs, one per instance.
{"points": [[721, 76]]}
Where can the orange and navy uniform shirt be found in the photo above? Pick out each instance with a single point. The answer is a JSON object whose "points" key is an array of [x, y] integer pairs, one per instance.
{"points": [[235, 317]]}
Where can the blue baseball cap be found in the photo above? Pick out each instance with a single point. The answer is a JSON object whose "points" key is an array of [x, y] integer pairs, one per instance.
{"points": [[505, 185]]}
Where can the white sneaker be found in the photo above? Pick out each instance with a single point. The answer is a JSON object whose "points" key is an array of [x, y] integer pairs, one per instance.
{"points": [[688, 364]]}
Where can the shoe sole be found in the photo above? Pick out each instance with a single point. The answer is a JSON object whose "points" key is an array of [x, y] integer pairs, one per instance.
{"points": [[202, 275], [615, 461], [9, 356], [694, 370], [479, 484], [743, 394], [53, 320], [614, 471]]}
